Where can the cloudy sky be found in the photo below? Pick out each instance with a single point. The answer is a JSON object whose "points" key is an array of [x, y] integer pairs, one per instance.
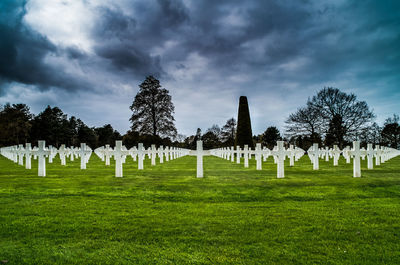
{"points": [[89, 56]]}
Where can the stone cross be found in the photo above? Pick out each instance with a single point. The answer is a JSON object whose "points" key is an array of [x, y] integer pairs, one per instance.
{"points": [[166, 150], [291, 152], [20, 152], [280, 154], [346, 154], [141, 154], [258, 154], [266, 153], [107, 153], [336, 155], [62, 152], [41, 153], [161, 154], [52, 154], [238, 154], [232, 154], [83, 153], [72, 152], [28, 156], [370, 156], [377, 155], [356, 153], [246, 155], [315, 153], [326, 152], [199, 153], [119, 154], [153, 153]]}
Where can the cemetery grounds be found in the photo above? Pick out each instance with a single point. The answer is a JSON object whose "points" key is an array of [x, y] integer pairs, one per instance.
{"points": [[165, 215]]}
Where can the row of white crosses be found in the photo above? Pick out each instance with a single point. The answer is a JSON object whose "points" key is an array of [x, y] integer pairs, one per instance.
{"points": [[381, 154], [120, 153], [279, 153], [41, 152]]}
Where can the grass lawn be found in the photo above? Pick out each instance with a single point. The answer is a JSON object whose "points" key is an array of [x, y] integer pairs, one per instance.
{"points": [[164, 215]]}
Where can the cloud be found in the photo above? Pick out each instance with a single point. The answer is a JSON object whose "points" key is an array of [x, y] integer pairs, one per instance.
{"points": [[206, 53], [24, 53]]}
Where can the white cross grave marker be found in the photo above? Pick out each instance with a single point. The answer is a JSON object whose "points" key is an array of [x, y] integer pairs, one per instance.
{"points": [[119, 154], [41, 153]]}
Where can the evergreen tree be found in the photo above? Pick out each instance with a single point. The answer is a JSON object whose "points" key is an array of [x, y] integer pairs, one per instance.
{"points": [[15, 124], [228, 132], [153, 110], [244, 133], [270, 137], [107, 135]]}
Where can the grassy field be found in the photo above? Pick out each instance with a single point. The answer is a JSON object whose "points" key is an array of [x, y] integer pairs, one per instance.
{"points": [[164, 215]]}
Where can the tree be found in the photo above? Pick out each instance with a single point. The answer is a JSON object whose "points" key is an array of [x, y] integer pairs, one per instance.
{"points": [[49, 126], [333, 114], [228, 132], [153, 110], [107, 135], [244, 133], [15, 124], [336, 131], [86, 135], [270, 137], [304, 122], [391, 132], [212, 137]]}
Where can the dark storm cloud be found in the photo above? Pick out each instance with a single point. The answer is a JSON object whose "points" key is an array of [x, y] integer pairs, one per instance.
{"points": [[256, 48], [23, 52]]}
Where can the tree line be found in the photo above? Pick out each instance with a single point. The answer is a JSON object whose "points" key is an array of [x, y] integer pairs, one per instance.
{"points": [[333, 117], [19, 126], [330, 117]]}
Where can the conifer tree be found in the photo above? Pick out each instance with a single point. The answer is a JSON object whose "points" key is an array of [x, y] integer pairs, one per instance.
{"points": [[244, 133]]}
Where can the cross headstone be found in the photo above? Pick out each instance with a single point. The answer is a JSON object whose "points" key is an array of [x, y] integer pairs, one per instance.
{"points": [[119, 154], [356, 153], [62, 153], [83, 153], [315, 153], [161, 154], [166, 151], [291, 155], [280, 154], [107, 154], [238, 154], [377, 155], [199, 154], [246, 155], [20, 153], [153, 153], [141, 154], [258, 153], [28, 156], [370, 156], [336, 155], [41, 153], [326, 152]]}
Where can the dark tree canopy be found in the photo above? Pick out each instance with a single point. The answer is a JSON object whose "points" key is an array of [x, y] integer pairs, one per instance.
{"points": [[15, 124], [228, 132], [391, 132], [107, 135], [48, 126], [337, 116], [244, 133], [270, 137], [19, 126], [153, 110]]}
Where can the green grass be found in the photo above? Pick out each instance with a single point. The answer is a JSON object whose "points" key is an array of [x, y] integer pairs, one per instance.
{"points": [[164, 215]]}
